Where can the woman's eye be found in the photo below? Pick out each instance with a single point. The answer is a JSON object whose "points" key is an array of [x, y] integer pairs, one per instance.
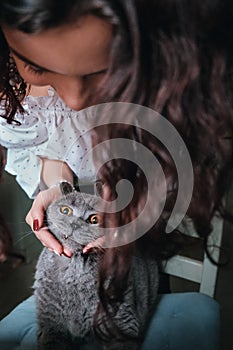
{"points": [[34, 70], [65, 210], [94, 219], [95, 75]]}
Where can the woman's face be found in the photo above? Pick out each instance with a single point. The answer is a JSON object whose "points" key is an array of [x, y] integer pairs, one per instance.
{"points": [[72, 58]]}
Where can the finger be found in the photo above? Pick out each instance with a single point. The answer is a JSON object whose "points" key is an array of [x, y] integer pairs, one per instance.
{"points": [[51, 250], [40, 204], [68, 253], [97, 244], [35, 216], [49, 241]]}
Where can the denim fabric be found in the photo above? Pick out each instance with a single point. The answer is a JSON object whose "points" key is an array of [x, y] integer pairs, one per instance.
{"points": [[181, 321]]}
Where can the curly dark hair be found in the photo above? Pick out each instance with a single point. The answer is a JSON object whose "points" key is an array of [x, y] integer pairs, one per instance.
{"points": [[174, 56]]}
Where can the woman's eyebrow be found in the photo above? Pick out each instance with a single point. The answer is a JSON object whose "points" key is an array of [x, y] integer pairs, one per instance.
{"points": [[26, 60]]}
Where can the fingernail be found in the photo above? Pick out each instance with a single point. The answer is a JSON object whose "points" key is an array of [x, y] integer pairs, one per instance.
{"points": [[57, 253], [67, 256], [85, 250], [35, 225]]}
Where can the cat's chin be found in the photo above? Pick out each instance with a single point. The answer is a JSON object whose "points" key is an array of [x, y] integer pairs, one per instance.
{"points": [[74, 246]]}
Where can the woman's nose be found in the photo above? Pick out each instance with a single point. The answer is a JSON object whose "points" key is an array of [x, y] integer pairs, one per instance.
{"points": [[72, 92]]}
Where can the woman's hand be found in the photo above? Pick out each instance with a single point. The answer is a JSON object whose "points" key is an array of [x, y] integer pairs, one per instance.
{"points": [[53, 172], [35, 218], [95, 246]]}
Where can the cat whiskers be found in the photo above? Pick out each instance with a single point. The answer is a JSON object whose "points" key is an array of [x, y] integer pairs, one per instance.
{"points": [[59, 224], [25, 235]]}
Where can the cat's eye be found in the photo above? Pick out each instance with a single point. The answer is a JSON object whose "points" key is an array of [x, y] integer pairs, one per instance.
{"points": [[94, 219], [65, 210]]}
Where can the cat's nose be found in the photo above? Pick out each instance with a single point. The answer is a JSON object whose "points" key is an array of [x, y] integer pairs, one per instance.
{"points": [[75, 226]]}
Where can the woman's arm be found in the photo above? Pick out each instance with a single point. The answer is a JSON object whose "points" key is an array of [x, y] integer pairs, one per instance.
{"points": [[53, 172]]}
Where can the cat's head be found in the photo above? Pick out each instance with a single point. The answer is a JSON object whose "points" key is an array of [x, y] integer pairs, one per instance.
{"points": [[73, 220]]}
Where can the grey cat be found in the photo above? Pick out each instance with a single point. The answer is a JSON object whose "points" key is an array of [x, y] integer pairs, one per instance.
{"points": [[66, 289]]}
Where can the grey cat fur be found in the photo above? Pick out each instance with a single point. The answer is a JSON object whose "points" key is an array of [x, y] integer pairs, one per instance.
{"points": [[66, 289]]}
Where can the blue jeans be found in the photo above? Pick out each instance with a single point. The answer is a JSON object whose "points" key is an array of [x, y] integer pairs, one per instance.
{"points": [[181, 321]]}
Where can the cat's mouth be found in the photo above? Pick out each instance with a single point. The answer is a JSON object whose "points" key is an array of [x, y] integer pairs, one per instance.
{"points": [[78, 245]]}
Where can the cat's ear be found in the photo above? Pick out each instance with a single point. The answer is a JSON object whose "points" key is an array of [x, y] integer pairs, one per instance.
{"points": [[66, 187], [98, 188]]}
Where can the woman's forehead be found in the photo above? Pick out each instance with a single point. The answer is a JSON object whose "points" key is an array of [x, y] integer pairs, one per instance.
{"points": [[71, 49]]}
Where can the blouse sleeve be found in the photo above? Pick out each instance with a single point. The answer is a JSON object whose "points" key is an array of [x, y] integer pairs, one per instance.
{"points": [[51, 130], [71, 142], [21, 142]]}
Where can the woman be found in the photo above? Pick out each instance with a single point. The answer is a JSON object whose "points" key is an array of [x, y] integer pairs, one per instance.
{"points": [[172, 56]]}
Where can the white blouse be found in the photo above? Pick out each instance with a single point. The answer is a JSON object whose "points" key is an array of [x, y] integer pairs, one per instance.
{"points": [[51, 130]]}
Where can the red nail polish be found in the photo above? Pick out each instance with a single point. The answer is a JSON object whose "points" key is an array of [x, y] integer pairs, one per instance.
{"points": [[35, 225]]}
